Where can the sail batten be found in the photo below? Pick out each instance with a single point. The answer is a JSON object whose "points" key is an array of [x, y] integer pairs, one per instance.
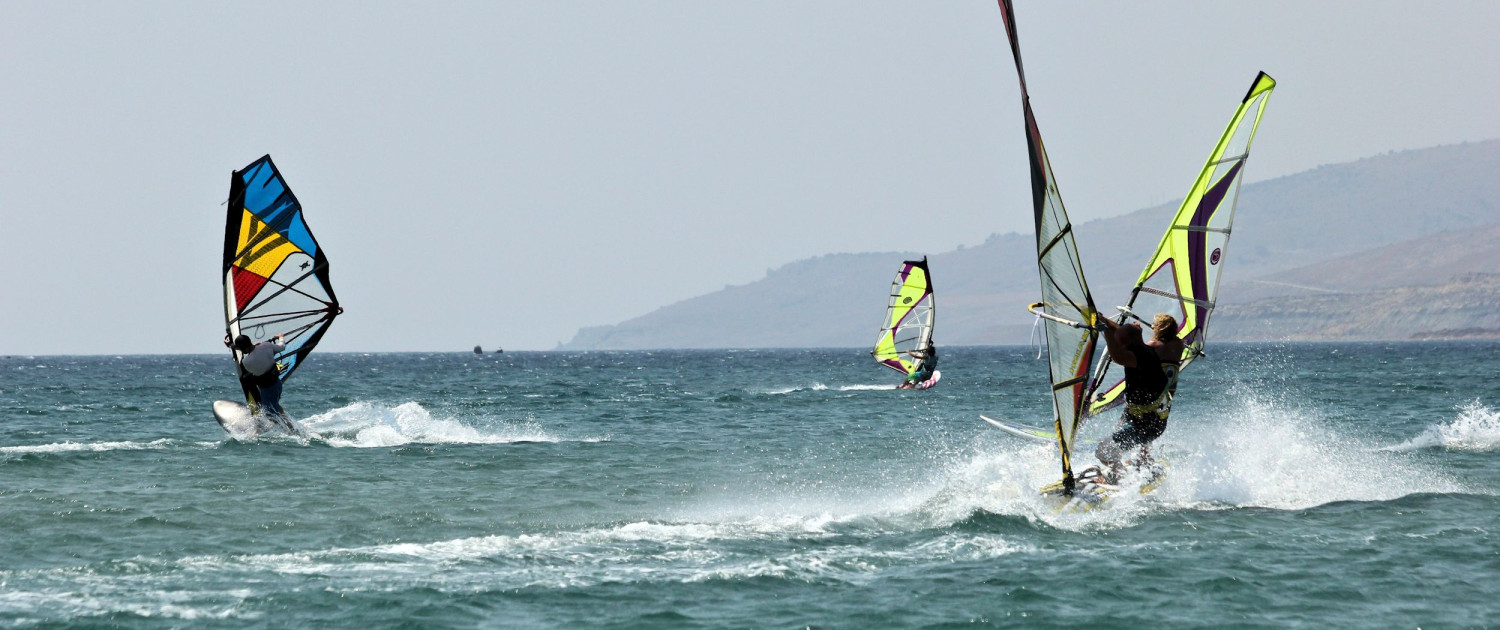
{"points": [[275, 274]]}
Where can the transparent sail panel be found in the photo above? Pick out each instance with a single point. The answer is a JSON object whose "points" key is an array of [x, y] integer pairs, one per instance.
{"points": [[1066, 309]]}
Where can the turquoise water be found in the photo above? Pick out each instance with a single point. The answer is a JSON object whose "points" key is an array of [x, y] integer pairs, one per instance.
{"points": [[1311, 485]]}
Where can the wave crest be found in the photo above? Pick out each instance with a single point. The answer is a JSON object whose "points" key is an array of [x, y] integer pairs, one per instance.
{"points": [[645, 551], [369, 425], [1248, 451], [96, 447], [1477, 429]]}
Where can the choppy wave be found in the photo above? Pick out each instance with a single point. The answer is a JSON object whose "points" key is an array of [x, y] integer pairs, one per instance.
{"points": [[819, 387], [84, 594], [1250, 452], [646, 552], [369, 425], [627, 553], [95, 447], [779, 391], [1477, 428]]}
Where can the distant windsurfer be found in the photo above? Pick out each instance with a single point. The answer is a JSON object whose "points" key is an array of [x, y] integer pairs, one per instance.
{"points": [[258, 361], [928, 361], [1150, 383]]}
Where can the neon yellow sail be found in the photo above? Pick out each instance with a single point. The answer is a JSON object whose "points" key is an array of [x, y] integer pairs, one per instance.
{"points": [[908, 318], [1067, 311], [1182, 277]]}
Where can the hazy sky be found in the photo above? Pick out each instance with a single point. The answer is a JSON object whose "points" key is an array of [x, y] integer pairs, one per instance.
{"points": [[504, 173]]}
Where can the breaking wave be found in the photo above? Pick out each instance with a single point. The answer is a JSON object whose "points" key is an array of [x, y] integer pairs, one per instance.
{"points": [[370, 425], [1477, 428], [1249, 452]]}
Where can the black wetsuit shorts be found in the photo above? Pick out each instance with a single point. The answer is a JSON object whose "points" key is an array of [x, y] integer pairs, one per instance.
{"points": [[1138, 430]]}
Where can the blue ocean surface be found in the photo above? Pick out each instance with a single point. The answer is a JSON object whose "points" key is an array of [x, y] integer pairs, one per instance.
{"points": [[1311, 485]]}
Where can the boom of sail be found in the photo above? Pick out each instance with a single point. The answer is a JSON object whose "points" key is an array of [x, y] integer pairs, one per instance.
{"points": [[1066, 309], [275, 274], [1182, 277], [908, 318]]}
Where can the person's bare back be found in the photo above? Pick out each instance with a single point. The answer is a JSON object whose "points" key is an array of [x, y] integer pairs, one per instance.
{"points": [[1167, 351]]}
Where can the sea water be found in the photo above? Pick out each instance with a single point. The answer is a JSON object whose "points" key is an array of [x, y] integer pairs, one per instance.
{"points": [[1347, 485]]}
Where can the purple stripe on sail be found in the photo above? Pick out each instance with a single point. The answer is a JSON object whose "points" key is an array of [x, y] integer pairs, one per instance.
{"points": [[1198, 240]]}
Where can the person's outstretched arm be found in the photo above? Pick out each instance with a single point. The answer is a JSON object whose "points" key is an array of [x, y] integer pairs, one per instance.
{"points": [[1118, 352]]}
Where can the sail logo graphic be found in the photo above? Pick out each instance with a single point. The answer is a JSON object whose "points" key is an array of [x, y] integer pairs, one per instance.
{"points": [[907, 300], [1213, 259]]}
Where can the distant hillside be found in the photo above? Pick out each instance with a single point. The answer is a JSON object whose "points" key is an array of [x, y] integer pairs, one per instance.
{"points": [[736, 316], [1414, 218], [1321, 214], [1429, 259], [1465, 307]]}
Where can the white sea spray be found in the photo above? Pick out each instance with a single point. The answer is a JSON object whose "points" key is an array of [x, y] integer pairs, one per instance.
{"points": [[372, 425], [1476, 428]]}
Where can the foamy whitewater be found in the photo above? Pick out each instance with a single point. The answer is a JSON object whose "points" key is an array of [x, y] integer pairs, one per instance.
{"points": [[743, 489]]}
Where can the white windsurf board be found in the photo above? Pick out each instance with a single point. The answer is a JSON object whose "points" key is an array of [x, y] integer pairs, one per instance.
{"points": [[237, 420]]}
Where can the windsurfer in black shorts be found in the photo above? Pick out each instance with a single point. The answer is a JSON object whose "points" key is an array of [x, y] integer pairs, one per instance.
{"points": [[1150, 383]]}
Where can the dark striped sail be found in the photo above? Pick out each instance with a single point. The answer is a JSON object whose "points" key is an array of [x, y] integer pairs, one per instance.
{"points": [[1066, 309]]}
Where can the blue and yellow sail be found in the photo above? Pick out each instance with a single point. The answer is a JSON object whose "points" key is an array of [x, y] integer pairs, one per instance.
{"points": [[275, 274], [909, 318]]}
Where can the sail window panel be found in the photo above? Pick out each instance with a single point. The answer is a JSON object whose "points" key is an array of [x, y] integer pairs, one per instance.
{"points": [[1223, 216], [1215, 246], [1163, 283], [1052, 223], [1068, 351], [1221, 171], [1239, 142]]}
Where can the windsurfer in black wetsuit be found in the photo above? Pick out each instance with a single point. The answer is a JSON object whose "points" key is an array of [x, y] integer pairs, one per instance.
{"points": [[258, 363], [1150, 383]]}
